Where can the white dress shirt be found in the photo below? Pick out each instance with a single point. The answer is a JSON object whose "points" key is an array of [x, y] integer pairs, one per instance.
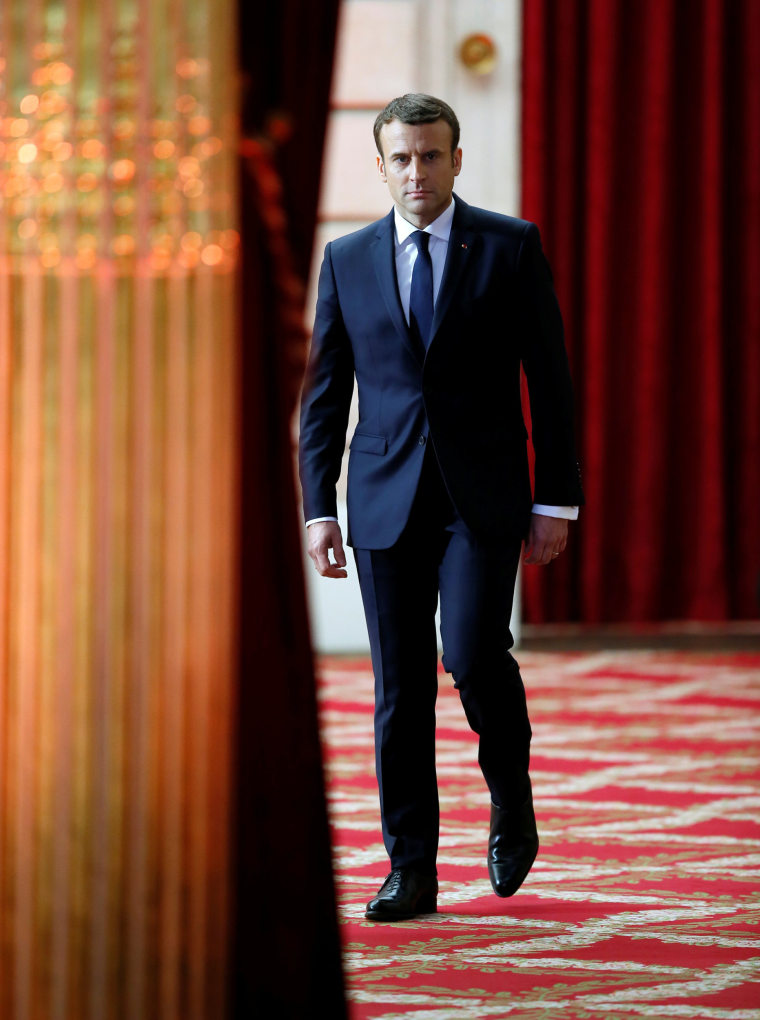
{"points": [[406, 255], [406, 252]]}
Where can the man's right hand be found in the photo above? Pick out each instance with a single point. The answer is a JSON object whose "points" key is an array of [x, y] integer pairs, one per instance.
{"points": [[323, 536]]}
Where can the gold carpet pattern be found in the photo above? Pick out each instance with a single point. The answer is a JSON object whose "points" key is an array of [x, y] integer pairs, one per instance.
{"points": [[644, 901]]}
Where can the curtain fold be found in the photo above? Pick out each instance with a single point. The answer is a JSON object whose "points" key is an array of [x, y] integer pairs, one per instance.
{"points": [[287, 949], [164, 843], [640, 164]]}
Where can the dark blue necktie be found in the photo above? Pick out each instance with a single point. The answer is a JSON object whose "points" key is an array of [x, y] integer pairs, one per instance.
{"points": [[421, 294]]}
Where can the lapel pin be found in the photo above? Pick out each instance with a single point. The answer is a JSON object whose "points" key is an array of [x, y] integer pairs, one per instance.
{"points": [[464, 246]]}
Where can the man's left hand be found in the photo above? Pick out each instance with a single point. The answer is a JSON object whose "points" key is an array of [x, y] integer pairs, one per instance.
{"points": [[547, 538]]}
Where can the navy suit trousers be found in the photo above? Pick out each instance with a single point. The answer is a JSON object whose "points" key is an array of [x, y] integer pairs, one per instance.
{"points": [[437, 555]]}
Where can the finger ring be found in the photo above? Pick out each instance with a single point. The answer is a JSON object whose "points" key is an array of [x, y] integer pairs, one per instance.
{"points": [[555, 554]]}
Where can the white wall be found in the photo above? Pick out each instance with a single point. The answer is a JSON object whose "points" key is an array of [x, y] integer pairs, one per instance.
{"points": [[386, 48]]}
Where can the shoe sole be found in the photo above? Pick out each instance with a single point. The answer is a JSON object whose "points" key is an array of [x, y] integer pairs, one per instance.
{"points": [[381, 915]]}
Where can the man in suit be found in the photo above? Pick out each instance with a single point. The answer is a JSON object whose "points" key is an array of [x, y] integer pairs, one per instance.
{"points": [[432, 310]]}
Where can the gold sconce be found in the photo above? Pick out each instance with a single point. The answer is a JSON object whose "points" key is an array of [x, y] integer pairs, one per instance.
{"points": [[478, 53]]}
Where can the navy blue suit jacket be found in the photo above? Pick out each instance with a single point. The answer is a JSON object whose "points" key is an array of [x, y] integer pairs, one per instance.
{"points": [[496, 309]]}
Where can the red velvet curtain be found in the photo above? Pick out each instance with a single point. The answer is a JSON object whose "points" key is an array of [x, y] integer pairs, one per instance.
{"points": [[287, 947], [641, 165]]}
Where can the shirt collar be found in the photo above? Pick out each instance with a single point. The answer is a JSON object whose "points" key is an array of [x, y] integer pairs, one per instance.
{"points": [[440, 227]]}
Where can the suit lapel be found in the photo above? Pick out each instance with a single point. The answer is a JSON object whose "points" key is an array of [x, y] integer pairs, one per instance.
{"points": [[462, 244], [383, 255], [462, 248]]}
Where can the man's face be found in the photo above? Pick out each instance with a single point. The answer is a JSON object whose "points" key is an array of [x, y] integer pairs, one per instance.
{"points": [[419, 168]]}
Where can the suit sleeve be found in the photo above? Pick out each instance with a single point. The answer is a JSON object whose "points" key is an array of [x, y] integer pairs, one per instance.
{"points": [[326, 400], [557, 477]]}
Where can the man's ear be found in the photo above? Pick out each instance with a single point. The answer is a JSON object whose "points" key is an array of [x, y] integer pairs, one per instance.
{"points": [[381, 170], [456, 161]]}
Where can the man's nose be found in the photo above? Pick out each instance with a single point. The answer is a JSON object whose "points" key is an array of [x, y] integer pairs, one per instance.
{"points": [[417, 169]]}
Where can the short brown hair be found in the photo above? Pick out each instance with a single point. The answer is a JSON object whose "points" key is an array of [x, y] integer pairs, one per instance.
{"points": [[417, 108]]}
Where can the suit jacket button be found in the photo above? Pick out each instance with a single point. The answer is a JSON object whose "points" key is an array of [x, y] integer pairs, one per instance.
{"points": [[421, 440]]}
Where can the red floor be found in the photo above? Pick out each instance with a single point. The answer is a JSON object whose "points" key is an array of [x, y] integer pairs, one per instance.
{"points": [[644, 901]]}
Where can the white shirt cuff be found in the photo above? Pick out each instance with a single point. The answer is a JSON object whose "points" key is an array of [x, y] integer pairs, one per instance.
{"points": [[316, 520], [568, 513]]}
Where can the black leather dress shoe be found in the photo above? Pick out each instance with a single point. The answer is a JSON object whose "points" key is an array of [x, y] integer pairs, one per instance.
{"points": [[404, 894], [512, 847]]}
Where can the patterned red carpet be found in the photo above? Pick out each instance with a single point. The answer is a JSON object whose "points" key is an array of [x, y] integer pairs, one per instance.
{"points": [[644, 900]]}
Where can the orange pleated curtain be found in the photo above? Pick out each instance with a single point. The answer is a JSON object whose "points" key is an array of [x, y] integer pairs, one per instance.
{"points": [[118, 252]]}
